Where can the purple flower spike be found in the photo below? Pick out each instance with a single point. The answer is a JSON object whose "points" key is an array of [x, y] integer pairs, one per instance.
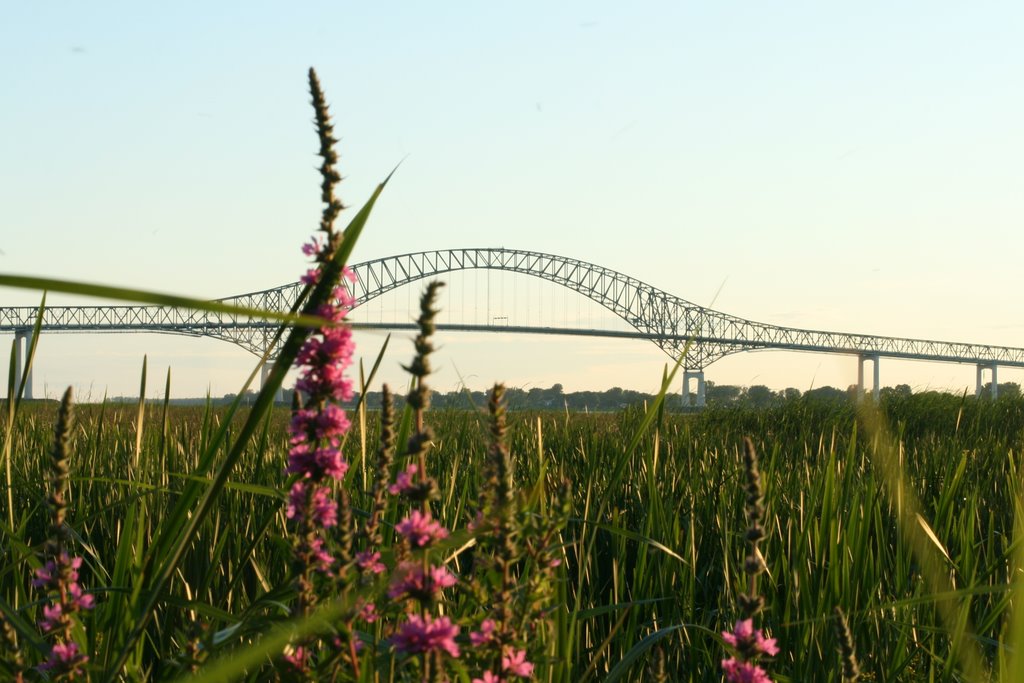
{"points": [[65, 658], [424, 634], [421, 529], [744, 672], [745, 638]]}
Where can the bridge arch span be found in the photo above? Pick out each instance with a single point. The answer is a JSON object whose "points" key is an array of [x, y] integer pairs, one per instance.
{"points": [[676, 325], [667, 320], [679, 327]]}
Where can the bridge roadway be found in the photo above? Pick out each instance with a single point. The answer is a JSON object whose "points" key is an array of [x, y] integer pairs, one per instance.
{"points": [[678, 327]]}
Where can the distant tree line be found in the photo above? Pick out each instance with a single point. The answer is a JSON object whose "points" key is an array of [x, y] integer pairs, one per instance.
{"points": [[617, 398], [556, 398]]}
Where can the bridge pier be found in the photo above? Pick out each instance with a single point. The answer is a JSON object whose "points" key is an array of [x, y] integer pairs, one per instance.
{"points": [[693, 375], [264, 375], [876, 388], [22, 346], [994, 388]]}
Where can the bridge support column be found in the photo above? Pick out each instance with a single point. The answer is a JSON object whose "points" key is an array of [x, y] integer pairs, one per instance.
{"points": [[693, 375], [264, 375], [22, 346], [876, 388], [994, 387]]}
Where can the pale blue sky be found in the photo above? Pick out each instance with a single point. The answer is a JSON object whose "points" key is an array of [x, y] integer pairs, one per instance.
{"points": [[854, 167]]}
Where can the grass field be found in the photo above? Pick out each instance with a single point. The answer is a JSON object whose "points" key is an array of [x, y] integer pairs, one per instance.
{"points": [[652, 551]]}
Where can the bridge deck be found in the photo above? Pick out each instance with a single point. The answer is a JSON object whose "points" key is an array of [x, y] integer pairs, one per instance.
{"points": [[675, 325]]}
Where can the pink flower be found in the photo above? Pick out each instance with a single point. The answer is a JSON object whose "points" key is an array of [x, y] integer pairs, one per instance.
{"points": [[60, 568], [45, 575], [310, 277], [743, 672], [368, 613], [323, 359], [79, 599], [64, 658], [476, 524], [59, 575], [325, 509], [424, 634], [332, 347], [52, 617], [343, 302], [514, 662], [296, 501], [370, 562], [420, 529], [404, 480], [341, 644], [410, 580], [296, 657], [313, 246], [316, 463], [488, 677], [741, 631], [325, 424], [746, 639], [322, 560], [327, 382], [485, 634], [766, 645]]}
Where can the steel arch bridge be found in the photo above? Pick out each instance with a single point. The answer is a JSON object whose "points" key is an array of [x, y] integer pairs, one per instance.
{"points": [[677, 326]]}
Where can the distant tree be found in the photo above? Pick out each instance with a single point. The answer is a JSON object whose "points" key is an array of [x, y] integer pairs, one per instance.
{"points": [[721, 393], [1006, 390], [790, 394], [1009, 390], [759, 396], [899, 391], [248, 398], [515, 398], [826, 393]]}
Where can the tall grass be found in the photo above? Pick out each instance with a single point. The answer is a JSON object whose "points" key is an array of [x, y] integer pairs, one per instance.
{"points": [[661, 559]]}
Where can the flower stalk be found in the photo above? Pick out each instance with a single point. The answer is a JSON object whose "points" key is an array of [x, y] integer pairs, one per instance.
{"points": [[749, 644], [318, 422], [58, 577]]}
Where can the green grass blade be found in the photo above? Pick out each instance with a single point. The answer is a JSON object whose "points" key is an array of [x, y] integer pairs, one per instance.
{"points": [[623, 666], [264, 401], [140, 418], [9, 434], [150, 297]]}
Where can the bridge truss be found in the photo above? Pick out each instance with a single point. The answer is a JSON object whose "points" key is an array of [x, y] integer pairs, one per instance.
{"points": [[677, 326]]}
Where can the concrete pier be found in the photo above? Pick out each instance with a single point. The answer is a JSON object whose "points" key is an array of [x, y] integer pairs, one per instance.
{"points": [[697, 375], [22, 347], [876, 388], [994, 387]]}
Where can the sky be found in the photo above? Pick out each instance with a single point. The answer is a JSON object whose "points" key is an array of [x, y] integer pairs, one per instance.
{"points": [[852, 167]]}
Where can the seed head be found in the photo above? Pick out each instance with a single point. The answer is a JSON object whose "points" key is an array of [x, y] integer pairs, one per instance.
{"points": [[851, 671]]}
